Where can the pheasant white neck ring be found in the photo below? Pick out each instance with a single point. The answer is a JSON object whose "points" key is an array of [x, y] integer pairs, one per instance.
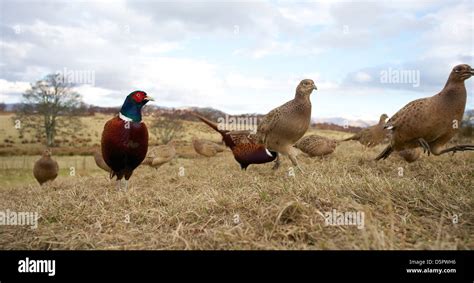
{"points": [[268, 152], [125, 118]]}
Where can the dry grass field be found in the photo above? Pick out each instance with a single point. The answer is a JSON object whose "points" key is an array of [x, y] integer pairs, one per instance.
{"points": [[82, 142], [209, 203]]}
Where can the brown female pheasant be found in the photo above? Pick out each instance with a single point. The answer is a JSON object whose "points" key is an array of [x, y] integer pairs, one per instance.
{"points": [[282, 127], [431, 122], [45, 169]]}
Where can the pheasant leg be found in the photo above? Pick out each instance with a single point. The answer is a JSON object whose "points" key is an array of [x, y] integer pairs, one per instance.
{"points": [[456, 148], [295, 162], [425, 145], [276, 165]]}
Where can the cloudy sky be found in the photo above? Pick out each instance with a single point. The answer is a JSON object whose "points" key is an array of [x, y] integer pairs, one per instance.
{"points": [[240, 56]]}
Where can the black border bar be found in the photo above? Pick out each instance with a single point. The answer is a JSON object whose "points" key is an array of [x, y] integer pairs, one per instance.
{"points": [[241, 265]]}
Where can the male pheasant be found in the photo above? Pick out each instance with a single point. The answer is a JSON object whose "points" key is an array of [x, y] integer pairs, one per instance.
{"points": [[245, 148], [125, 138]]}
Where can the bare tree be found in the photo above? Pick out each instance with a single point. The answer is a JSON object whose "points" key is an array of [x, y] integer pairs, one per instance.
{"points": [[49, 106], [166, 129]]}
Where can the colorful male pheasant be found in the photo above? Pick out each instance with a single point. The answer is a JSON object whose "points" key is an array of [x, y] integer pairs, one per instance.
{"points": [[125, 138]]}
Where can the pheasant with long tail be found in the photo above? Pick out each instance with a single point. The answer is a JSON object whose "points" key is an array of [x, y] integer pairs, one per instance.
{"points": [[245, 148]]}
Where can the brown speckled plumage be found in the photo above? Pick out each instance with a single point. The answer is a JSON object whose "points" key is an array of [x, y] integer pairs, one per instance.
{"points": [[373, 135], [431, 122], [45, 169], [206, 148], [410, 155], [282, 127], [160, 155], [314, 145]]}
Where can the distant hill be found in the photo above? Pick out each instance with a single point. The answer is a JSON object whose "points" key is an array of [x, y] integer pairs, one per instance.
{"points": [[345, 122], [334, 127], [331, 123], [214, 114]]}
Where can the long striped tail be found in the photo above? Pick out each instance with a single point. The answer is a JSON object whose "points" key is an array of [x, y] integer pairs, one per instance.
{"points": [[385, 153], [349, 138], [209, 123]]}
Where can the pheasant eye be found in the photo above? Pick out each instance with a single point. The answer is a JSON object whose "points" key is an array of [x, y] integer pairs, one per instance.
{"points": [[138, 96]]}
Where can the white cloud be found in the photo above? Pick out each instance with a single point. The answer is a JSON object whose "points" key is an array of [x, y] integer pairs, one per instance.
{"points": [[159, 48], [234, 80], [17, 50], [152, 45], [307, 13], [453, 32], [179, 79], [97, 95], [272, 47], [362, 77], [13, 87]]}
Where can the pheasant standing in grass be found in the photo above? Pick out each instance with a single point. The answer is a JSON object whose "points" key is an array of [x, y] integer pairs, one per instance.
{"points": [[100, 162], [45, 169], [206, 148], [371, 136], [244, 147], [282, 127], [160, 155], [431, 122], [314, 145], [125, 138]]}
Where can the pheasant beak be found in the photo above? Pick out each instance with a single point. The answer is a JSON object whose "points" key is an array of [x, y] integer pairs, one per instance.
{"points": [[149, 98]]}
